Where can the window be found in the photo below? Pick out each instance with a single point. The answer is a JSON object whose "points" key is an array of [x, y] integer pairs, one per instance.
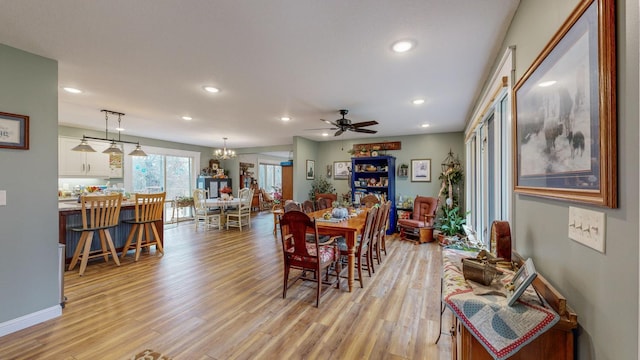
{"points": [[270, 177], [167, 170], [488, 153]]}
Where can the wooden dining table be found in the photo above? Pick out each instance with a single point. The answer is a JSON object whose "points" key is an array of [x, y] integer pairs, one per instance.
{"points": [[222, 205], [349, 229]]}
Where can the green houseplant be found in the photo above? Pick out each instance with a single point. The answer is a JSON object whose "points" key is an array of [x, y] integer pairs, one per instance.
{"points": [[320, 186], [450, 224]]}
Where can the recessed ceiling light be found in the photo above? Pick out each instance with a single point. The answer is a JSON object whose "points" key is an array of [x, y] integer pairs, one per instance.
{"points": [[325, 134], [119, 129], [547, 83], [285, 118], [187, 118], [418, 102], [425, 125], [72, 90], [403, 46], [211, 89]]}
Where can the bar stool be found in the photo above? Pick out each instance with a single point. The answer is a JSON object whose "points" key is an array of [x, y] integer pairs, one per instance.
{"points": [[148, 210], [99, 213]]}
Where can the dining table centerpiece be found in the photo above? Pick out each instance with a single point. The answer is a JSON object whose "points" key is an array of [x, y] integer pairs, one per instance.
{"points": [[225, 193], [340, 209]]}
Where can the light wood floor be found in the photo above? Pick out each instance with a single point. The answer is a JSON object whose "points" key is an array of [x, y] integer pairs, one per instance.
{"points": [[218, 295]]}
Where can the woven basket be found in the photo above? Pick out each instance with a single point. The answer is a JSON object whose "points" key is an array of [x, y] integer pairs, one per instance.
{"points": [[479, 271]]}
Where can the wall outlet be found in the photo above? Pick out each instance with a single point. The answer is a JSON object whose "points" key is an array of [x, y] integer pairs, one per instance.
{"points": [[587, 227]]}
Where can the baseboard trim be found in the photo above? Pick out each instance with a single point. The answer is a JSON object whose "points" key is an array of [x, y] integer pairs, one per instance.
{"points": [[25, 321]]}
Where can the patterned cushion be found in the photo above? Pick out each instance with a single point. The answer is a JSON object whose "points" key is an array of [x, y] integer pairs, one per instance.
{"points": [[411, 223], [327, 253]]}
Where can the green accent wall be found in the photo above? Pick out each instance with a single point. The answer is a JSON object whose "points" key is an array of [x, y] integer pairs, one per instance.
{"points": [[29, 264]]}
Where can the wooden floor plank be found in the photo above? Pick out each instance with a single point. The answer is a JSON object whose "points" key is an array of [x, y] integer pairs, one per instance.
{"points": [[217, 294]]}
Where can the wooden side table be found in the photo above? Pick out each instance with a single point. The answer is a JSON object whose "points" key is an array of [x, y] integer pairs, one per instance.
{"points": [[426, 235], [276, 211]]}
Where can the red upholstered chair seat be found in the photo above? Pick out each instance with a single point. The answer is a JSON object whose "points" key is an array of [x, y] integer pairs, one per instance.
{"points": [[327, 253]]}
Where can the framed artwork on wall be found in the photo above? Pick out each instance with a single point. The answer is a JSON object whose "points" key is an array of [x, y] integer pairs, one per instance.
{"points": [[421, 170], [341, 170], [311, 170], [565, 112], [14, 131]]}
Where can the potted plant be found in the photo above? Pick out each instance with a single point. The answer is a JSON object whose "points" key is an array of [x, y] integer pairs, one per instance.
{"points": [[450, 224], [320, 186]]}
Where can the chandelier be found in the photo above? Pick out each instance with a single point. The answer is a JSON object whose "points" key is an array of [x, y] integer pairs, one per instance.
{"points": [[113, 147], [224, 153]]}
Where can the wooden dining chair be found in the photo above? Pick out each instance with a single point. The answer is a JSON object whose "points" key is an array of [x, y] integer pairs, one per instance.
{"points": [[324, 203], [148, 210], [363, 247], [308, 257], [202, 214], [99, 214], [382, 223], [241, 215], [369, 200], [307, 206], [291, 205]]}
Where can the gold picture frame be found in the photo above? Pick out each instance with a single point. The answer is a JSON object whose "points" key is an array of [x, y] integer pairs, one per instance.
{"points": [[564, 108]]}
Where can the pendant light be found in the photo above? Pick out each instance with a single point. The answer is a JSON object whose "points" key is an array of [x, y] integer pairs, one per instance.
{"points": [[113, 147]]}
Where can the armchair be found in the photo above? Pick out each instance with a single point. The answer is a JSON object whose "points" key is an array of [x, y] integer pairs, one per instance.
{"points": [[421, 223]]}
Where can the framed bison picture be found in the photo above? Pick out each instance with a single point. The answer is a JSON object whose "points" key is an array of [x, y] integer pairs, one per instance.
{"points": [[565, 112]]}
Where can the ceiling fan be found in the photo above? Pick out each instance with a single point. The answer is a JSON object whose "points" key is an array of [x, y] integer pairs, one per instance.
{"points": [[343, 125]]}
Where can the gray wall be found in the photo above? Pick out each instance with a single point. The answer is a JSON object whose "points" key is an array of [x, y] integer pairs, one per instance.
{"points": [[432, 146], [601, 288], [29, 222]]}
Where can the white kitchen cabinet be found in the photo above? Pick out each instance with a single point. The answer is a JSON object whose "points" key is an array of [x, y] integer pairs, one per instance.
{"points": [[84, 164]]}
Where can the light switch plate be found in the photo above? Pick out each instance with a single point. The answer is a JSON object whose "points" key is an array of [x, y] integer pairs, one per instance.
{"points": [[587, 227], [3, 197]]}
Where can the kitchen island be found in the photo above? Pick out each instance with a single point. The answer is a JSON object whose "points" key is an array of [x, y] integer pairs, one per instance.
{"points": [[70, 217]]}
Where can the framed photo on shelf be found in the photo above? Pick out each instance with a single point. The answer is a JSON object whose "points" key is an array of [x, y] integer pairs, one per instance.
{"points": [[341, 170], [565, 112], [421, 170], [14, 131], [521, 280], [311, 170]]}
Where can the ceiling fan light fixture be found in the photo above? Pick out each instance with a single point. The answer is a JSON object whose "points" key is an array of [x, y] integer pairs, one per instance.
{"points": [[402, 46]]}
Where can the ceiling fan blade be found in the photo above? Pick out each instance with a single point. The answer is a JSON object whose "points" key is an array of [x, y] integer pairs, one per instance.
{"points": [[339, 132], [329, 122], [332, 128], [365, 123], [367, 131]]}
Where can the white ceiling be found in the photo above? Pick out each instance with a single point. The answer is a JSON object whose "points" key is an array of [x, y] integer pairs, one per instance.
{"points": [[303, 58]]}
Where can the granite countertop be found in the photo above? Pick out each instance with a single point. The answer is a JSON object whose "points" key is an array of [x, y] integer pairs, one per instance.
{"points": [[71, 206]]}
